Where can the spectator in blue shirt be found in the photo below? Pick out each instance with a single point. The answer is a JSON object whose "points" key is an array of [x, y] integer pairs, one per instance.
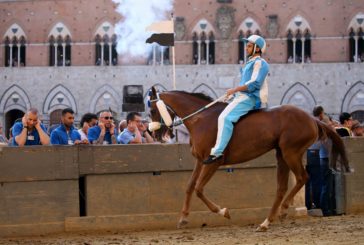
{"points": [[103, 133], [66, 133], [135, 132], [29, 131]]}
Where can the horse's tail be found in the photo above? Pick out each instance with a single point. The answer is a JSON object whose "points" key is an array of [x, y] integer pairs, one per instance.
{"points": [[338, 147]]}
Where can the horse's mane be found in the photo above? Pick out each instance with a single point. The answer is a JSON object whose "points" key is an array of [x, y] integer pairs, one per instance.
{"points": [[198, 95]]}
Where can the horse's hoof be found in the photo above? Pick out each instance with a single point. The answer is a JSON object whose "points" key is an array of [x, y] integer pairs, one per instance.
{"points": [[262, 228], [182, 223], [225, 212]]}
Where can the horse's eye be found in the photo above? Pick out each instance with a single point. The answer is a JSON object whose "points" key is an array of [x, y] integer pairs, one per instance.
{"points": [[152, 111]]}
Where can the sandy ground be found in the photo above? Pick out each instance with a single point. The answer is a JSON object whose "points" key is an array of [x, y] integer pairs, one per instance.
{"points": [[307, 230]]}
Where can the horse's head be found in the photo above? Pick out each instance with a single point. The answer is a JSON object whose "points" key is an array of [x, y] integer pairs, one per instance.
{"points": [[160, 114]]}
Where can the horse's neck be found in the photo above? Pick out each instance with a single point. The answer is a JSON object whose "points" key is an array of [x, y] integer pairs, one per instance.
{"points": [[184, 105]]}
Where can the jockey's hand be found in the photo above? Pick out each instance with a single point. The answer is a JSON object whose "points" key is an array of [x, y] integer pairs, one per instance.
{"points": [[230, 92]]}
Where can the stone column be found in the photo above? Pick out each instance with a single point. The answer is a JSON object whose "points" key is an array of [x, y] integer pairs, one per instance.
{"points": [[207, 51], [11, 55], [303, 50], [55, 53], [102, 53], [18, 55], [356, 48], [162, 53], [64, 54], [294, 50], [245, 54], [198, 52], [110, 54], [154, 55]]}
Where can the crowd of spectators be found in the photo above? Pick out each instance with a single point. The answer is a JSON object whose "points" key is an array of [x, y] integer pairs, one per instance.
{"points": [[93, 129], [320, 188]]}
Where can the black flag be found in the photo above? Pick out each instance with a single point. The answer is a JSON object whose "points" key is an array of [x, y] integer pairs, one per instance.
{"points": [[163, 33], [164, 39]]}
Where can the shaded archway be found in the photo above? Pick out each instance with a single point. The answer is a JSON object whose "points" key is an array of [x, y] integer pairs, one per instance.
{"points": [[354, 98], [10, 118], [55, 117], [358, 115]]}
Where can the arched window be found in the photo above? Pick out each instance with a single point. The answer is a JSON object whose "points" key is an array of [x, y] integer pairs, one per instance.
{"points": [[8, 54], [241, 48], [194, 49], [299, 47], [60, 51], [98, 50], [246, 28], [105, 50], [356, 38], [159, 55], [22, 58], [15, 47], [203, 48], [114, 54], [203, 45], [52, 51], [105, 45], [307, 47], [60, 44], [289, 47], [298, 41], [356, 45], [351, 45], [68, 51], [211, 49]]}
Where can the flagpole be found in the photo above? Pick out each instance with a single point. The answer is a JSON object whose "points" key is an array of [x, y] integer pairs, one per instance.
{"points": [[173, 59], [174, 68]]}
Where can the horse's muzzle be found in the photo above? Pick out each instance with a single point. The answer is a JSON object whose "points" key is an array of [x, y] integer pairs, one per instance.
{"points": [[153, 126]]}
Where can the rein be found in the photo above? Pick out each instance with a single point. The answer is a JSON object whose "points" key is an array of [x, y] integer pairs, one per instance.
{"points": [[181, 120]]}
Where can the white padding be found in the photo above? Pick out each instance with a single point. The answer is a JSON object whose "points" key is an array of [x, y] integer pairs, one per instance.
{"points": [[164, 113], [153, 126]]}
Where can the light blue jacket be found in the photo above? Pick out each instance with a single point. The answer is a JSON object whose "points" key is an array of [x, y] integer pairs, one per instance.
{"points": [[254, 75]]}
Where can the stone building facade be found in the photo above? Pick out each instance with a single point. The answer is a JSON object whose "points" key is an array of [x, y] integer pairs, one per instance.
{"points": [[61, 53]]}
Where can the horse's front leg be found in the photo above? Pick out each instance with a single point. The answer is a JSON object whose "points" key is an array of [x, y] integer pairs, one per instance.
{"points": [[206, 173], [190, 188]]}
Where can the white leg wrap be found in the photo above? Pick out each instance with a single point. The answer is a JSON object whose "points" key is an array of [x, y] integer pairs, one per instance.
{"points": [[222, 211], [265, 223]]}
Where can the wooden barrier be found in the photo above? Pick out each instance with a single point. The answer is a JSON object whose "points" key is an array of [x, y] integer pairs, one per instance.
{"points": [[136, 187], [39, 188], [354, 183]]}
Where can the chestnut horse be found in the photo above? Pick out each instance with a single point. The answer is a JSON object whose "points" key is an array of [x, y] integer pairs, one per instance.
{"points": [[287, 129]]}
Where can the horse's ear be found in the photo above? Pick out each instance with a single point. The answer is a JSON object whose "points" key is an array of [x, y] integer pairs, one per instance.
{"points": [[154, 91]]}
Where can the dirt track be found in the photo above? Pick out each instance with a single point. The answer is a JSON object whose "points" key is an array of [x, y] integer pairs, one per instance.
{"points": [[308, 230]]}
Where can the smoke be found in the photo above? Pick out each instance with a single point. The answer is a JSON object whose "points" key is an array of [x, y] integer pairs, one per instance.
{"points": [[136, 16]]}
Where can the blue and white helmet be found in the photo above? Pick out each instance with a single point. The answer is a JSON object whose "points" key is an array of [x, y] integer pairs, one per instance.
{"points": [[257, 40]]}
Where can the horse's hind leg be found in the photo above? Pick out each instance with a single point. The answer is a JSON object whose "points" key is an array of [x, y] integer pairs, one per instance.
{"points": [[206, 173], [282, 185], [295, 164], [190, 188]]}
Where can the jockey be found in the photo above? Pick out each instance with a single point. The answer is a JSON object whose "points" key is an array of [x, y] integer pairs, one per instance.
{"points": [[251, 93]]}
